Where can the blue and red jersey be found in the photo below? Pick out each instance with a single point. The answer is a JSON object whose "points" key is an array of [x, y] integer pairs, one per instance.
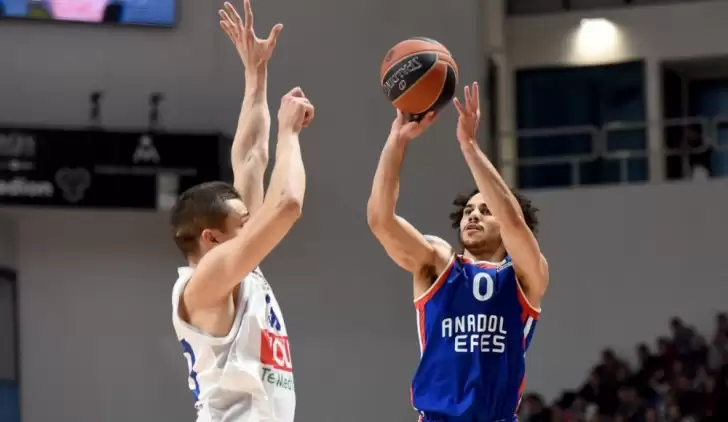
{"points": [[475, 325]]}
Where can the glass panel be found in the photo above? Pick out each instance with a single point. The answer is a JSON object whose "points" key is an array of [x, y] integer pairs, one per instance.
{"points": [[560, 115]]}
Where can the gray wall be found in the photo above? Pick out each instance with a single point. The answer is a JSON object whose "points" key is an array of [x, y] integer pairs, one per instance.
{"points": [[624, 260], [97, 339], [97, 343], [8, 238], [549, 40], [7, 330], [8, 256]]}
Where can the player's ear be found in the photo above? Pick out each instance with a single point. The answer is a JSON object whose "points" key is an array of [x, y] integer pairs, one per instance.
{"points": [[209, 236]]}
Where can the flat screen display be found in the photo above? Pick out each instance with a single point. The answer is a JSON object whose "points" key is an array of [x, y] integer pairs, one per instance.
{"points": [[124, 12]]}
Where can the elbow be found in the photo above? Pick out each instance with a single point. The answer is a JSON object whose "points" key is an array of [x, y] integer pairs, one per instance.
{"points": [[258, 156], [375, 216], [540, 278], [380, 223], [290, 206], [372, 217], [374, 222]]}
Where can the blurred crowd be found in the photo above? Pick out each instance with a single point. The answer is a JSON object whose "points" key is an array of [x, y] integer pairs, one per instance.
{"points": [[684, 380]]}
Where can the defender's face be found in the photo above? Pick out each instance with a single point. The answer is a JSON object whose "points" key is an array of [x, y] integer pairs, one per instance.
{"points": [[235, 220], [477, 226]]}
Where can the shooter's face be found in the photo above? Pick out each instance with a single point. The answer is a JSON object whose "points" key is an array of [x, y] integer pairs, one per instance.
{"points": [[477, 226]]}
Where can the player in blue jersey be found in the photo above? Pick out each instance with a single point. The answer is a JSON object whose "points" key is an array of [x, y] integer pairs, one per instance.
{"points": [[476, 307]]}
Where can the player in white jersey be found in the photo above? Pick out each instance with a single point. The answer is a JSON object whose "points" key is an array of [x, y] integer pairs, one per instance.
{"points": [[225, 315]]}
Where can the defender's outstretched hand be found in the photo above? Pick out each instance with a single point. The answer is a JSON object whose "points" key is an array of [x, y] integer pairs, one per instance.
{"points": [[404, 130], [469, 115], [296, 111], [254, 52]]}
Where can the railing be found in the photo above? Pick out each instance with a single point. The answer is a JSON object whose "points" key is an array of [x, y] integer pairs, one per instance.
{"points": [[620, 152], [530, 7]]}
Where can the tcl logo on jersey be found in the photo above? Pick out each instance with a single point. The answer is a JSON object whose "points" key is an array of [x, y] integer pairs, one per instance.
{"points": [[274, 351]]}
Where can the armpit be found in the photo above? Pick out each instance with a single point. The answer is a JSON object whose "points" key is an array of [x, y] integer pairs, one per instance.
{"points": [[443, 252]]}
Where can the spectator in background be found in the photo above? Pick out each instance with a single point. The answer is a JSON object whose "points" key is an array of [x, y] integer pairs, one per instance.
{"points": [[718, 351], [566, 409], [698, 352], [698, 153], [681, 336], [580, 409], [722, 323], [623, 374], [651, 415], [533, 409], [720, 410], [602, 391], [607, 369], [590, 390], [678, 370], [612, 374], [2, 9], [558, 415], [648, 364], [687, 399], [685, 381], [631, 406], [708, 398], [649, 376], [666, 354], [672, 411]]}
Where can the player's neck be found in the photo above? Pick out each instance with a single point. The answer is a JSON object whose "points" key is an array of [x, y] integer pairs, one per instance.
{"points": [[497, 255], [192, 261]]}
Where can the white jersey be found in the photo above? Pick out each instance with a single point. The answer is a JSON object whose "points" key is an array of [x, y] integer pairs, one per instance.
{"points": [[247, 375]]}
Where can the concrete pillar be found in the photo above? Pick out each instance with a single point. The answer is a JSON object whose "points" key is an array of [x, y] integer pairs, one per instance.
{"points": [[495, 48], [655, 129]]}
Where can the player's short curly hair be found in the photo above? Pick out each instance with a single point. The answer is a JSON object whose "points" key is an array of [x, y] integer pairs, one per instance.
{"points": [[529, 210]]}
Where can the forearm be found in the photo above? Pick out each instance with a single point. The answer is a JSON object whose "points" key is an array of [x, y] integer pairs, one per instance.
{"points": [[249, 153], [495, 191], [289, 176], [254, 120], [402, 241], [220, 271], [385, 188]]}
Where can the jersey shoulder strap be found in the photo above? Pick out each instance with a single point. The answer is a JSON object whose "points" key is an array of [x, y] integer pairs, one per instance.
{"points": [[182, 328]]}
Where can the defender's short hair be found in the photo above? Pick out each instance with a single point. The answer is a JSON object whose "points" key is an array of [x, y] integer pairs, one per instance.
{"points": [[198, 208], [528, 209]]}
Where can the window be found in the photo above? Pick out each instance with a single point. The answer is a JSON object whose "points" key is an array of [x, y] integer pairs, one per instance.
{"points": [[581, 125]]}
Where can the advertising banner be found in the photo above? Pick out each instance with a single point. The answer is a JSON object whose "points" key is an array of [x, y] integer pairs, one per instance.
{"points": [[102, 169]]}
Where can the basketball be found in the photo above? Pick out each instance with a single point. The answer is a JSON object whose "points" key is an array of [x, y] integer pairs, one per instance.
{"points": [[419, 75]]}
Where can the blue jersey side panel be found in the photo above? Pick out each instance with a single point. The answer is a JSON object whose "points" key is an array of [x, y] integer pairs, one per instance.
{"points": [[475, 326]]}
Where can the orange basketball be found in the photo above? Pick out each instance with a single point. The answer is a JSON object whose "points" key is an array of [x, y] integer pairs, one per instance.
{"points": [[419, 75]]}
